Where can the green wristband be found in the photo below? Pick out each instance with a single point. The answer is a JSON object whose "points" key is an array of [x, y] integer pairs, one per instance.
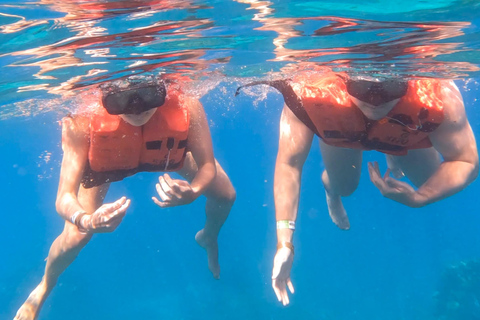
{"points": [[286, 224]]}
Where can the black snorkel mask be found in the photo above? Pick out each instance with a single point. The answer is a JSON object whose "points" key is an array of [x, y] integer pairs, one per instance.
{"points": [[376, 92], [135, 95]]}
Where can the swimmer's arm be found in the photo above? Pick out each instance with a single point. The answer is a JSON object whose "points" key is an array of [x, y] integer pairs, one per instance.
{"points": [[294, 146], [200, 144], [75, 146], [455, 141]]}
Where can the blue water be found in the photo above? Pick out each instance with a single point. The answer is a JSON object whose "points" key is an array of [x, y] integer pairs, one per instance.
{"points": [[388, 266]]}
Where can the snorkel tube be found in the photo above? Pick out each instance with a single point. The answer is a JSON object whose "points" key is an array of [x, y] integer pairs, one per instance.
{"points": [[291, 99]]}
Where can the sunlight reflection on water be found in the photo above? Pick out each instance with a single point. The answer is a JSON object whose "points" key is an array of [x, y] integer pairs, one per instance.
{"points": [[52, 47]]}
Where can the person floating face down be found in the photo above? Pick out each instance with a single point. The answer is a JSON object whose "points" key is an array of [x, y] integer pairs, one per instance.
{"points": [[420, 125], [140, 126]]}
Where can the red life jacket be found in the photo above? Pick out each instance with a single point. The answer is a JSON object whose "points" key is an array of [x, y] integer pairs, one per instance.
{"points": [[118, 149], [329, 111]]}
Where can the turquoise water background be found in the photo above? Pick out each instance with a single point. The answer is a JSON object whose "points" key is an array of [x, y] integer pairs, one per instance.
{"points": [[388, 266]]}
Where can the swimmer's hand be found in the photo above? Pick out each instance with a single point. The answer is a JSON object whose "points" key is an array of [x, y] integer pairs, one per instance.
{"points": [[107, 217], [391, 188], [282, 264], [173, 192]]}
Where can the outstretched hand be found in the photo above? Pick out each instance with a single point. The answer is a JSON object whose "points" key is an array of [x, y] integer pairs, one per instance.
{"points": [[173, 192], [107, 217], [282, 265], [391, 188]]}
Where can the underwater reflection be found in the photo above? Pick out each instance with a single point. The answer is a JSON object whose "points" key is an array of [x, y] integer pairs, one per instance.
{"points": [[413, 48], [96, 48], [74, 44]]}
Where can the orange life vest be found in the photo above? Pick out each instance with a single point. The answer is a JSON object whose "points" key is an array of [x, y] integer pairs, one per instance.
{"points": [[328, 110], [118, 149]]}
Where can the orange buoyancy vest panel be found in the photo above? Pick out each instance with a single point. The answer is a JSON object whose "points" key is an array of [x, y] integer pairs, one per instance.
{"points": [[118, 149], [340, 123]]}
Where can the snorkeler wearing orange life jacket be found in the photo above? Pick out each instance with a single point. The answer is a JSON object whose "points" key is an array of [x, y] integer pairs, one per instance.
{"points": [[340, 123], [140, 125], [324, 105], [420, 125], [158, 145]]}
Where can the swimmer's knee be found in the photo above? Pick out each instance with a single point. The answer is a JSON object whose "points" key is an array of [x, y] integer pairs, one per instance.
{"points": [[230, 195], [221, 189], [226, 195], [74, 239], [343, 188]]}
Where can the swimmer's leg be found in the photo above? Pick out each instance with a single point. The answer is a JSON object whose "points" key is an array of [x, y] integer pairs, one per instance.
{"points": [[340, 179], [220, 198], [394, 166], [418, 165], [62, 253]]}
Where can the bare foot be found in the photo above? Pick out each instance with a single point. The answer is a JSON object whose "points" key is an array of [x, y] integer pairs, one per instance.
{"points": [[211, 246], [394, 166], [31, 307], [337, 212]]}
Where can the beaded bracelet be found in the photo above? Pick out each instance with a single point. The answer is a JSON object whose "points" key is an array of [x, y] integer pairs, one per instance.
{"points": [[77, 219]]}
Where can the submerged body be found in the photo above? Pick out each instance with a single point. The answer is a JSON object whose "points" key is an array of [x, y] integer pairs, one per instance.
{"points": [[420, 124], [91, 161]]}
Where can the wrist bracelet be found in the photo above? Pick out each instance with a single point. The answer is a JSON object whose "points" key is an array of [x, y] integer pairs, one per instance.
{"points": [[286, 244], [286, 224], [77, 218]]}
